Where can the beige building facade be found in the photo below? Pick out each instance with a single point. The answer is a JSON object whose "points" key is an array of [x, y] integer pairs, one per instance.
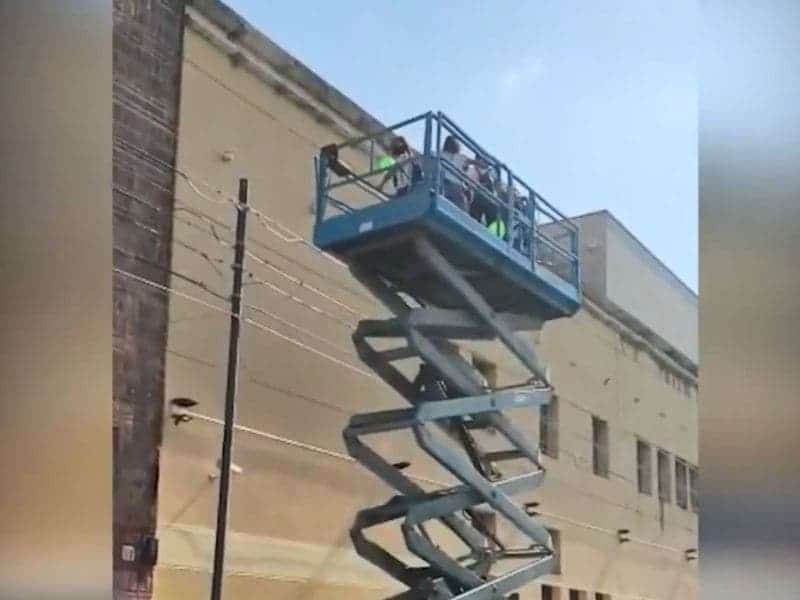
{"points": [[620, 441]]}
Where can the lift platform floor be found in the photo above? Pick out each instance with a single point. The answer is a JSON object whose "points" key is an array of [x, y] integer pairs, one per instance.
{"points": [[380, 238]]}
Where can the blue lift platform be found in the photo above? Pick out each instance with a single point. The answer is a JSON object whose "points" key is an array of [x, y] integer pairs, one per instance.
{"points": [[404, 224], [512, 274]]}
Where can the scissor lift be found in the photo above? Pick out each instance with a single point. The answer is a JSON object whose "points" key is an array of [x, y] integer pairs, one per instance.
{"points": [[446, 278]]}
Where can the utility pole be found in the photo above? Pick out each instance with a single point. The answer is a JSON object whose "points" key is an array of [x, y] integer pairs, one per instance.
{"points": [[230, 395]]}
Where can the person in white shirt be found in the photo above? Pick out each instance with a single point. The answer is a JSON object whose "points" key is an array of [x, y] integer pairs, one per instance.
{"points": [[453, 186]]}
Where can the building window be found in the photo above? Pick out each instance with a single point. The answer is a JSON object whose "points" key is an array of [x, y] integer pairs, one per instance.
{"points": [[548, 428], [681, 484], [601, 596], [693, 497], [664, 477], [549, 593], [600, 447], [644, 467], [555, 535], [578, 595]]}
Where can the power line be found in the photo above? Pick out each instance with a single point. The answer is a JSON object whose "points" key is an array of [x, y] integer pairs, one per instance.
{"points": [[304, 285], [266, 263], [267, 222], [441, 484], [184, 206], [256, 324], [289, 442], [294, 237], [578, 459], [302, 330], [297, 238], [275, 288], [256, 381], [202, 285]]}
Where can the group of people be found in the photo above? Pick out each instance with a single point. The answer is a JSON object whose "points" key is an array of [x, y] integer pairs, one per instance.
{"points": [[472, 184]]}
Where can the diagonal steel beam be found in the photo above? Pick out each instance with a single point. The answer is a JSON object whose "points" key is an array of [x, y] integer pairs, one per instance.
{"points": [[438, 263]]}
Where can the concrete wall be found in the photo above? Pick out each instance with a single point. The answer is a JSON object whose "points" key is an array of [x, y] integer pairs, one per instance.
{"points": [[292, 507], [592, 243], [625, 278]]}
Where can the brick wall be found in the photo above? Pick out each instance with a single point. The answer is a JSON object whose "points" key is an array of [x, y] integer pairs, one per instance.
{"points": [[146, 84]]}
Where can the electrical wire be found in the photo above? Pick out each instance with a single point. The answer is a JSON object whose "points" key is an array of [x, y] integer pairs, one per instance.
{"points": [[289, 277], [275, 288], [174, 273], [303, 330], [441, 484], [296, 238], [267, 222], [304, 285], [262, 218], [577, 459], [301, 302], [256, 381], [290, 442], [182, 205], [231, 200], [253, 323]]}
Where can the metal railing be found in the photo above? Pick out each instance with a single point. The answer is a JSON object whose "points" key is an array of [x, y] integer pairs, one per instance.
{"points": [[533, 227]]}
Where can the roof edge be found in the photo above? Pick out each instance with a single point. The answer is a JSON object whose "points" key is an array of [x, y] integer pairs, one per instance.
{"points": [[613, 218], [241, 31]]}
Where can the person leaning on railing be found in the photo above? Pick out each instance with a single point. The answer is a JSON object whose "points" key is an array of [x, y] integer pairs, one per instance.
{"points": [[508, 197], [523, 227], [477, 170], [401, 167], [482, 208], [453, 186]]}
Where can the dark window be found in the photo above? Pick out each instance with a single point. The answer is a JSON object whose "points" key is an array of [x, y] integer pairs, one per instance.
{"points": [[575, 595], [555, 534], [664, 477], [548, 428], [693, 496], [600, 447], [644, 467], [548, 593], [599, 596], [681, 484]]}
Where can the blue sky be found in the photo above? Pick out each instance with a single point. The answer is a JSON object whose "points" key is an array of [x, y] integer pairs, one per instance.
{"points": [[592, 103]]}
